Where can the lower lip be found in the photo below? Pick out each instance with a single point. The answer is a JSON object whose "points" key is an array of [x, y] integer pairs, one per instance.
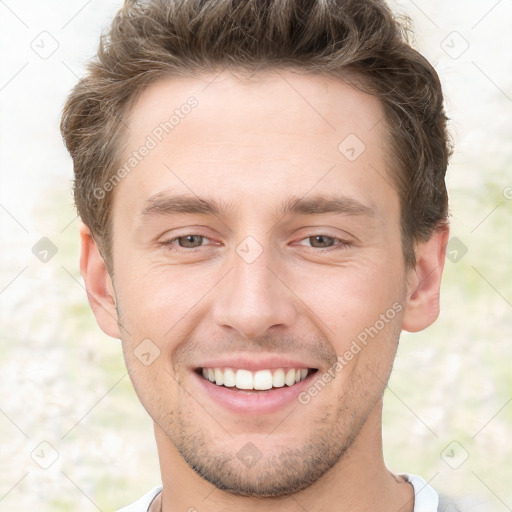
{"points": [[254, 403]]}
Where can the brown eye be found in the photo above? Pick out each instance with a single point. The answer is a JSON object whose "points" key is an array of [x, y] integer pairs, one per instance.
{"points": [[190, 241], [323, 241]]}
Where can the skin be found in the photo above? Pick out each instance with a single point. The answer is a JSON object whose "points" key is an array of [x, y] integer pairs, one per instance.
{"points": [[253, 144]]}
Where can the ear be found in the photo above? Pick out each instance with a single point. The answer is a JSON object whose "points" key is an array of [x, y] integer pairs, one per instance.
{"points": [[99, 286], [424, 282]]}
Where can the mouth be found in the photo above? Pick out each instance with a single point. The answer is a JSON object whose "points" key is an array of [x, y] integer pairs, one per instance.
{"points": [[241, 379]]}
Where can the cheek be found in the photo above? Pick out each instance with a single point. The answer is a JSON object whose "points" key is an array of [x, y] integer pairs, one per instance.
{"points": [[352, 296], [155, 296], [361, 311]]}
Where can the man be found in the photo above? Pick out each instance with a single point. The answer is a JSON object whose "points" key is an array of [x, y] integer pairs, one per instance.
{"points": [[261, 185]]}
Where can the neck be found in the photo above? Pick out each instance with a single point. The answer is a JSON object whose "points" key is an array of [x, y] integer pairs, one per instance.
{"points": [[358, 482]]}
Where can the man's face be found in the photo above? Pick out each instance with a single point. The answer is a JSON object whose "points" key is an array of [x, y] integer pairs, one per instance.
{"points": [[253, 287]]}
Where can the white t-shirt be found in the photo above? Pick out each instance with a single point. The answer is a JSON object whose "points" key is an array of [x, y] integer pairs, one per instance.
{"points": [[425, 498]]}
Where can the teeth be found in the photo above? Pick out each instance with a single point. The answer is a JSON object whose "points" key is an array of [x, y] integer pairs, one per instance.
{"points": [[278, 378], [219, 377], [244, 379], [229, 378], [263, 380], [289, 379], [260, 380]]}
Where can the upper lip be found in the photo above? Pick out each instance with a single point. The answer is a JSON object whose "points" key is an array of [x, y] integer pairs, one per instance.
{"points": [[254, 363]]}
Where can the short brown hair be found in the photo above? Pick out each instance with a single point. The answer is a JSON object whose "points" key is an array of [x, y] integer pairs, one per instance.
{"points": [[358, 41]]}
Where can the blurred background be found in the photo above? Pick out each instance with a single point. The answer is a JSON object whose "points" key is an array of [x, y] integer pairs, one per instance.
{"points": [[73, 435]]}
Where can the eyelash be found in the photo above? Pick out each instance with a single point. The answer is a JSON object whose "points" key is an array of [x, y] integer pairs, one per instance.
{"points": [[342, 244]]}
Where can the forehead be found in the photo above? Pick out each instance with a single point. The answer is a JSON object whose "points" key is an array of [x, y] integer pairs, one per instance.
{"points": [[277, 134], [318, 104]]}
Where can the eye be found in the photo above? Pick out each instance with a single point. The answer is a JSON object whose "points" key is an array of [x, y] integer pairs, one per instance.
{"points": [[189, 241], [326, 242], [195, 240]]}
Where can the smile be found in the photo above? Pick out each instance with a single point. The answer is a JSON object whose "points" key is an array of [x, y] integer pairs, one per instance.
{"points": [[260, 380]]}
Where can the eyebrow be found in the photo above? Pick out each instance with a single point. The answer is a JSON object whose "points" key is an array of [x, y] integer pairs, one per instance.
{"points": [[163, 204]]}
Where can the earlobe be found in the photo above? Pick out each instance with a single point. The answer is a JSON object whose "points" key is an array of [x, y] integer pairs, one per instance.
{"points": [[99, 286], [424, 282]]}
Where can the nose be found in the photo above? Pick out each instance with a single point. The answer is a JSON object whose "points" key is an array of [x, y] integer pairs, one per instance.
{"points": [[253, 299]]}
